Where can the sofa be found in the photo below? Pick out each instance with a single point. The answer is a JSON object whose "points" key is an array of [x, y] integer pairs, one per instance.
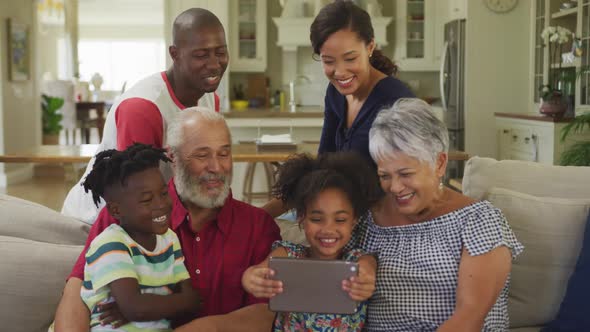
{"points": [[546, 207]]}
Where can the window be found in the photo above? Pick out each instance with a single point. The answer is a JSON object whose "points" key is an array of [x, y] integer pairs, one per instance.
{"points": [[120, 61]]}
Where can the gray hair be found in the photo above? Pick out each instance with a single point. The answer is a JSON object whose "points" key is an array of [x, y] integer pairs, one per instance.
{"points": [[175, 134], [411, 128]]}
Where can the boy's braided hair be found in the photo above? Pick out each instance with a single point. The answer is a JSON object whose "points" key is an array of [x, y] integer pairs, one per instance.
{"points": [[114, 167]]}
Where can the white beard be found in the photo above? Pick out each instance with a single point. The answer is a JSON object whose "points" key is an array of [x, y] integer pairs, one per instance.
{"points": [[189, 188]]}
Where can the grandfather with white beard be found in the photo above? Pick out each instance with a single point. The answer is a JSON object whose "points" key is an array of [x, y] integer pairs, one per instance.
{"points": [[220, 236], [200, 147]]}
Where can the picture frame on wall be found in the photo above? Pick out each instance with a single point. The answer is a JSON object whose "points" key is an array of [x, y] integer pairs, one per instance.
{"points": [[19, 65]]}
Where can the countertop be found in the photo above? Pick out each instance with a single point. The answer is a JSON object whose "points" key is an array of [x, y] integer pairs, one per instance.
{"points": [[301, 112], [528, 116]]}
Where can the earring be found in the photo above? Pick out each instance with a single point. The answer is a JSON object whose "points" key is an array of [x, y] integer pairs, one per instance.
{"points": [[441, 185], [370, 55]]}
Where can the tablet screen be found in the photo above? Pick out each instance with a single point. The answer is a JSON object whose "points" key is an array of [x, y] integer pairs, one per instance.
{"points": [[313, 285]]}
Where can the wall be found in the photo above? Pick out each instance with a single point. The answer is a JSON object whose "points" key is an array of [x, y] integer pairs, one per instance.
{"points": [[497, 71], [47, 40], [20, 110]]}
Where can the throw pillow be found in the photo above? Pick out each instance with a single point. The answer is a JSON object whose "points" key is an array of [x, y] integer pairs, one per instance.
{"points": [[28, 220], [574, 313], [551, 230], [31, 282]]}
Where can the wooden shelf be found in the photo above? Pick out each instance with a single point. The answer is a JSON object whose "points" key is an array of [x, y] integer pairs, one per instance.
{"points": [[576, 63], [564, 13]]}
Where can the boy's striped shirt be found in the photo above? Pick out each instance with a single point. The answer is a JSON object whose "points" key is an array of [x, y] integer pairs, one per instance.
{"points": [[114, 255]]}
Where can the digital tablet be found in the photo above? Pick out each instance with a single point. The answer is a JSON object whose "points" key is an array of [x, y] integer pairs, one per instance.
{"points": [[312, 285]]}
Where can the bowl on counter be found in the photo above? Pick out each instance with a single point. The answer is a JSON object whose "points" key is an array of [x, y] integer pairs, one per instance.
{"points": [[239, 105]]}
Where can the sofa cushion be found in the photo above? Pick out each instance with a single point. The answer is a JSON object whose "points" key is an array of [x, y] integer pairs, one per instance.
{"points": [[32, 278], [481, 174], [28, 220], [551, 230], [573, 314]]}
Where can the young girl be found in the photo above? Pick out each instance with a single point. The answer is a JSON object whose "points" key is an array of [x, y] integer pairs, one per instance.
{"points": [[139, 263], [329, 194]]}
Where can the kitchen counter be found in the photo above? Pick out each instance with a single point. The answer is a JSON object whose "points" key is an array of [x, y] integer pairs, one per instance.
{"points": [[301, 112], [304, 117], [534, 117]]}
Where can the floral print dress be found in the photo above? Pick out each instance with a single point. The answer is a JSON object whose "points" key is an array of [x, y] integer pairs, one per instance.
{"points": [[308, 322]]}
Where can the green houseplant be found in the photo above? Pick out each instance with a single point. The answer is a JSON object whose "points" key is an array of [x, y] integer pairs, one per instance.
{"points": [[51, 118], [577, 154]]}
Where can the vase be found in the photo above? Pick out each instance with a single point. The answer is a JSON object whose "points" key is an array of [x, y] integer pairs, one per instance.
{"points": [[555, 107], [50, 139]]}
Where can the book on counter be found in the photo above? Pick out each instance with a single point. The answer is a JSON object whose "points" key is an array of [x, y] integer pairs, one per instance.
{"points": [[276, 143]]}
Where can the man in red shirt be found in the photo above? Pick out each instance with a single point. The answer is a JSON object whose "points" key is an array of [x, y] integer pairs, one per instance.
{"points": [[220, 236], [200, 57]]}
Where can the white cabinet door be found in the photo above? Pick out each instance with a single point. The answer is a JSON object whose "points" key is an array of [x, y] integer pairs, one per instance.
{"points": [[247, 32], [457, 10], [530, 140], [419, 34], [504, 142]]}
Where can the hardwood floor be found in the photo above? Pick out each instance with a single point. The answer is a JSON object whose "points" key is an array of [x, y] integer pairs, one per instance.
{"points": [[45, 190]]}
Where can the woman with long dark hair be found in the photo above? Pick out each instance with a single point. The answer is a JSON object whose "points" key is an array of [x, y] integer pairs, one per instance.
{"points": [[362, 79]]}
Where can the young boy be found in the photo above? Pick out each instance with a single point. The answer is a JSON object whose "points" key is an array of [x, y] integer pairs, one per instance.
{"points": [[139, 263]]}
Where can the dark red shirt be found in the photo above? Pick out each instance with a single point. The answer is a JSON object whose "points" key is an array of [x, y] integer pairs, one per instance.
{"points": [[217, 255]]}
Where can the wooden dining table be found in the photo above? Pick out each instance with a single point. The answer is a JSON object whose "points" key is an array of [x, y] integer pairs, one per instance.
{"points": [[68, 154]]}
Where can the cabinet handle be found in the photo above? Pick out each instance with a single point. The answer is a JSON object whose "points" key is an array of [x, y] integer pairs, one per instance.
{"points": [[505, 131], [514, 137], [527, 139], [534, 137]]}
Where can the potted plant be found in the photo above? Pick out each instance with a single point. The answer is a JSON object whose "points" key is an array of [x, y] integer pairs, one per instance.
{"points": [[51, 118], [577, 154], [553, 102]]}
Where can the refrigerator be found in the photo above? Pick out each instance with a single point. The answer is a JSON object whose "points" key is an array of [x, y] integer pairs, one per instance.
{"points": [[452, 90]]}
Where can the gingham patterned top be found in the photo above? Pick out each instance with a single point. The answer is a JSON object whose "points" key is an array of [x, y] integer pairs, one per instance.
{"points": [[419, 264]]}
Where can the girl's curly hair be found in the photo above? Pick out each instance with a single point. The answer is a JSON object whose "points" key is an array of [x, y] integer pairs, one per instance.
{"points": [[301, 178]]}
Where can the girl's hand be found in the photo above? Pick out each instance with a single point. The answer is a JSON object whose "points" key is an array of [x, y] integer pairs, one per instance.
{"points": [[362, 287], [110, 314], [256, 281]]}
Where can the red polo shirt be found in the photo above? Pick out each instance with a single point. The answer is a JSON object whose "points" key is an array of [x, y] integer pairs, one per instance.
{"points": [[217, 255]]}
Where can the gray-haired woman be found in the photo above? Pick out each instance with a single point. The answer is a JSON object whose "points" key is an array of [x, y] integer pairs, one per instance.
{"points": [[444, 259]]}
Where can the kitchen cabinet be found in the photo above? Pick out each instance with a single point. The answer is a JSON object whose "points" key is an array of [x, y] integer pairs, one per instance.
{"points": [[247, 35], [457, 9], [532, 138], [546, 13], [420, 33]]}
